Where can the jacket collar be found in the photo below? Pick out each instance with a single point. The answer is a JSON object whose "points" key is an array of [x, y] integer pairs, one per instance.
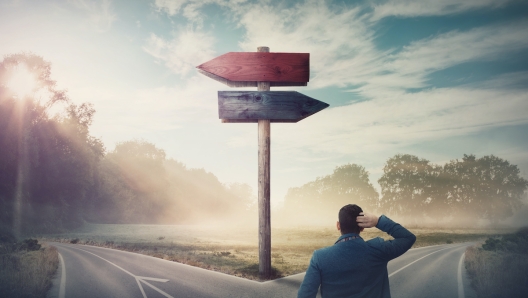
{"points": [[348, 235]]}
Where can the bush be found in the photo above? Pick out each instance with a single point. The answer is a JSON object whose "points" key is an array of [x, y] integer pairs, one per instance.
{"points": [[499, 268], [514, 243], [29, 245], [74, 241], [27, 274]]}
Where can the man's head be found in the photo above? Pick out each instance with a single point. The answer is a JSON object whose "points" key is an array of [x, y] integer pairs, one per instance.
{"points": [[347, 219]]}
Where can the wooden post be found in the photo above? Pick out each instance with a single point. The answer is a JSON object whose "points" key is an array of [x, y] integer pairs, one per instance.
{"points": [[264, 188]]}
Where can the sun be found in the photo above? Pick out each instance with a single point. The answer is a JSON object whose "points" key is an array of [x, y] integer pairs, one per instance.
{"points": [[22, 82]]}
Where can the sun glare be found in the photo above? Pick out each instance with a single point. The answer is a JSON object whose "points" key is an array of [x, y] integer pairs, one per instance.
{"points": [[22, 82]]}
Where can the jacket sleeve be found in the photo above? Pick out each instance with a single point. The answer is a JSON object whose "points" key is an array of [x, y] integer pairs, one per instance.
{"points": [[312, 280], [403, 238]]}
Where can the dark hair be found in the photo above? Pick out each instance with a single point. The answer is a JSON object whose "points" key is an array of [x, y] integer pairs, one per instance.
{"points": [[347, 218]]}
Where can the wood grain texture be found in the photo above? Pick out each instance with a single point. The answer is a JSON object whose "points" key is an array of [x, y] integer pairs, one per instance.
{"points": [[264, 199], [276, 106], [250, 84], [264, 182], [260, 67]]}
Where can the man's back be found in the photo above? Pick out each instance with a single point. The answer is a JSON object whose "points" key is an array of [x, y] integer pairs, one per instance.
{"points": [[356, 268]]}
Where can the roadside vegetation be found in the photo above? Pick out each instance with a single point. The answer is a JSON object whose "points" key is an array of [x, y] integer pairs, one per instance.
{"points": [[26, 267], [499, 267], [235, 251]]}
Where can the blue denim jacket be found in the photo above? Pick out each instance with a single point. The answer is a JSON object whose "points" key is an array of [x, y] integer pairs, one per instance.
{"points": [[356, 268]]}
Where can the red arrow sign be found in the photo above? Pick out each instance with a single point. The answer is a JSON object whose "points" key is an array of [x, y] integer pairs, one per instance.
{"points": [[260, 67]]}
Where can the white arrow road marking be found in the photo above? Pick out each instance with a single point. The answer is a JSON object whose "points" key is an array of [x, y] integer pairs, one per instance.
{"points": [[138, 278], [142, 279]]}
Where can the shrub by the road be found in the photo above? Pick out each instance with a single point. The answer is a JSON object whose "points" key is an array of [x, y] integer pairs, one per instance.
{"points": [[26, 268], [500, 267]]}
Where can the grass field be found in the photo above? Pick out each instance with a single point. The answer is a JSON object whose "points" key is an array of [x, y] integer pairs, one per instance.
{"points": [[234, 250], [27, 273], [499, 267]]}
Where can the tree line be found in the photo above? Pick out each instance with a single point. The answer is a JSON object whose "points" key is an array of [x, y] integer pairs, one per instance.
{"points": [[414, 189], [54, 175]]}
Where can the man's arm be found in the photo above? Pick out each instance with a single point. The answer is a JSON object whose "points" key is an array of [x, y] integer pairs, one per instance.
{"points": [[403, 238], [312, 280]]}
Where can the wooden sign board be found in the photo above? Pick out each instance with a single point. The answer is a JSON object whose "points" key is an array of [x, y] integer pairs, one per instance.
{"points": [[280, 69], [277, 106]]}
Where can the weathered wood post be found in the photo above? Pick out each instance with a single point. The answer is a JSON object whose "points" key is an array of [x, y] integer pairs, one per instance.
{"points": [[264, 188], [262, 70]]}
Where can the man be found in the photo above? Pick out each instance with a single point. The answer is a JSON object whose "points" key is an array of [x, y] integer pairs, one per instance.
{"points": [[353, 267]]}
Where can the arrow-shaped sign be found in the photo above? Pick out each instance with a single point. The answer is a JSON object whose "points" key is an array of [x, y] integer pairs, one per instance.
{"points": [[244, 69], [277, 106]]}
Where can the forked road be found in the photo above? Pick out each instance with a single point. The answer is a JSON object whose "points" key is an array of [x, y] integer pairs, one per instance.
{"points": [[87, 271]]}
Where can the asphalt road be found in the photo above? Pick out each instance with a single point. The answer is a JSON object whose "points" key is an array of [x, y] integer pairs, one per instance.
{"points": [[87, 271]]}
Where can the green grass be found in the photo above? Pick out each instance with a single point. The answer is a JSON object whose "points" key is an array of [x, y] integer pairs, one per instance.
{"points": [[27, 273], [499, 267], [233, 250]]}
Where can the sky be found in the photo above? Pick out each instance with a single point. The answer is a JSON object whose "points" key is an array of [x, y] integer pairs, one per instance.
{"points": [[436, 79]]}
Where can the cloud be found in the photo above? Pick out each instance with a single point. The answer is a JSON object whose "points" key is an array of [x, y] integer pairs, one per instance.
{"points": [[152, 110], [388, 124], [341, 40], [100, 13], [455, 47], [411, 66], [343, 51], [414, 8], [512, 80], [186, 50], [171, 7], [343, 54], [190, 9]]}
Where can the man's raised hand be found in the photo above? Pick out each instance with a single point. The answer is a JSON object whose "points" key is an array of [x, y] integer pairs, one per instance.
{"points": [[367, 220]]}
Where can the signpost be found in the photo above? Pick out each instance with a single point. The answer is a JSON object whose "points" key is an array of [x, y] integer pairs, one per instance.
{"points": [[277, 106], [262, 70], [247, 69]]}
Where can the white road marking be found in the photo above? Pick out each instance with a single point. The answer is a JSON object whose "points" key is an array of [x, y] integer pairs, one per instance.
{"points": [[415, 261], [138, 278], [62, 288], [152, 278], [141, 288], [459, 277], [153, 287]]}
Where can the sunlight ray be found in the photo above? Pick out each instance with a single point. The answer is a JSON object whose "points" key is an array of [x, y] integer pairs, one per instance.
{"points": [[22, 82]]}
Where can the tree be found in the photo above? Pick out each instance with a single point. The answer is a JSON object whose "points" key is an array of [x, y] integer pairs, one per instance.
{"points": [[322, 198], [408, 186], [41, 70], [47, 163], [462, 190], [487, 188], [132, 183]]}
